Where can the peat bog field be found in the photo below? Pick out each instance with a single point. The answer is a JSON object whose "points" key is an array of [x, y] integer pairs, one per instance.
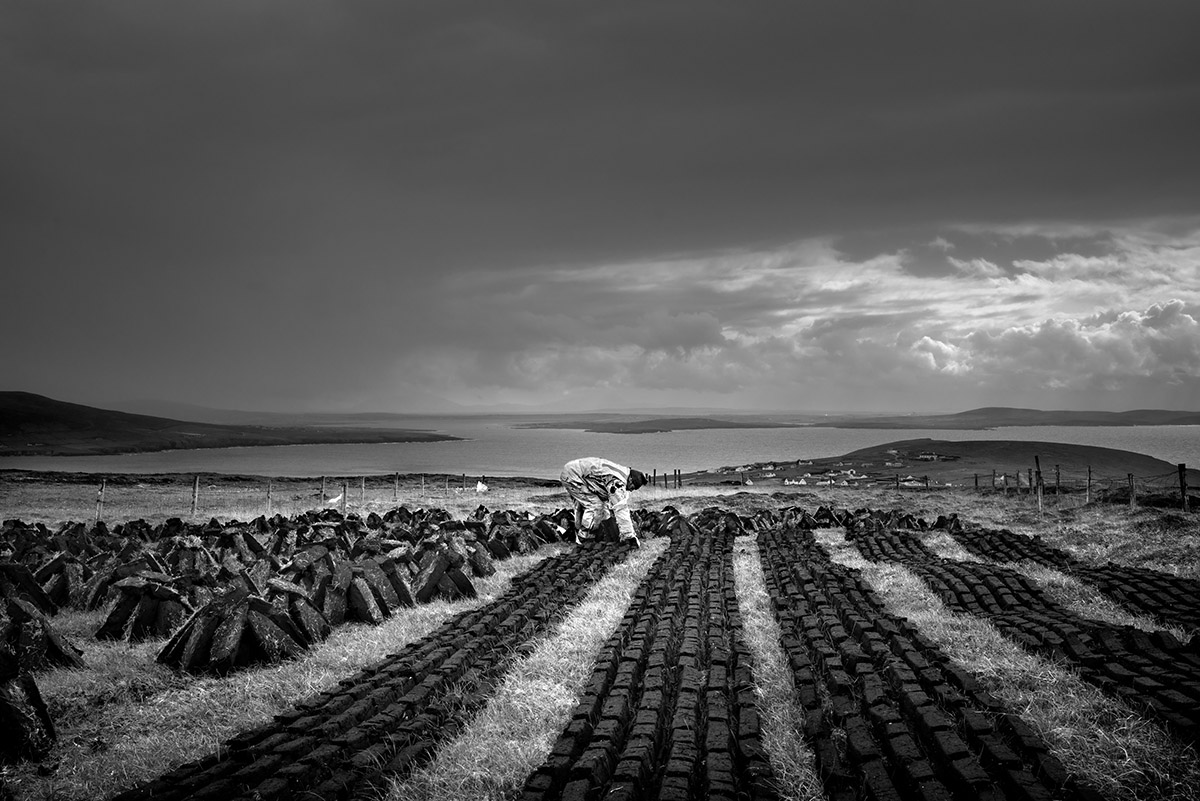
{"points": [[758, 645]]}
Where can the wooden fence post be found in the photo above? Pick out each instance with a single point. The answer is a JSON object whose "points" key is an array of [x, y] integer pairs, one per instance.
{"points": [[993, 478], [345, 492], [926, 482], [1132, 494], [1057, 479], [268, 497], [976, 482], [362, 491], [195, 494], [1183, 497], [654, 478], [897, 482], [395, 486], [1087, 498], [322, 490], [1037, 462], [100, 499]]}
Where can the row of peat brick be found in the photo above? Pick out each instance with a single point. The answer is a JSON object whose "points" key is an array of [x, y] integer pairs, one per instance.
{"points": [[1151, 671], [888, 714], [670, 711], [1169, 599]]}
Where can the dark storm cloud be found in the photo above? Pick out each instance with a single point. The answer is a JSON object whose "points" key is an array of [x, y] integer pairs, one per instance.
{"points": [[226, 200]]}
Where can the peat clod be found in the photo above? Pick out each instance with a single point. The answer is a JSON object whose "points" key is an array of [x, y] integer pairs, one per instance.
{"points": [[31, 639], [237, 630], [16, 581], [145, 606], [24, 718], [64, 578]]}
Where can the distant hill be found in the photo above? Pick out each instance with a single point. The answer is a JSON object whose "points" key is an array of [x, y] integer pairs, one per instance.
{"points": [[34, 425], [656, 425], [1000, 416]]}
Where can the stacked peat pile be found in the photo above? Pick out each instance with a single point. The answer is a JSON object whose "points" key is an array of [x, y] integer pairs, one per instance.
{"points": [[24, 719], [238, 629], [28, 643], [265, 589]]}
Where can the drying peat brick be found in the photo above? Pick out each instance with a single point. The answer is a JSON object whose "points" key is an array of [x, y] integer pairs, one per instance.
{"points": [[102, 582], [31, 640], [145, 607], [64, 579], [433, 565], [17, 582], [236, 630], [300, 608], [398, 576], [361, 604], [188, 556], [24, 719], [480, 560]]}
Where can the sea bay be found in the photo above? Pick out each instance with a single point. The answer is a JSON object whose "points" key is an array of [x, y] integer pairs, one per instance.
{"points": [[497, 447]]}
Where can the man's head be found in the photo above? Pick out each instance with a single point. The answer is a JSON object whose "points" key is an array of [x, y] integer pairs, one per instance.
{"points": [[636, 479]]}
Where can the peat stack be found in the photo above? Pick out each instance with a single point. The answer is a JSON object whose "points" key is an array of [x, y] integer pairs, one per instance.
{"points": [[234, 631], [24, 719], [239, 543], [293, 599], [366, 591], [102, 582], [17, 582], [64, 578], [145, 607], [187, 555], [440, 575], [308, 566], [31, 639]]}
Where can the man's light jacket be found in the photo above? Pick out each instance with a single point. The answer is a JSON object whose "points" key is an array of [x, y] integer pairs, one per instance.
{"points": [[598, 485]]}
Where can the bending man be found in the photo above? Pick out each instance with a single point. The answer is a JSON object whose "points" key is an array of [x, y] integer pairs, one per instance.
{"points": [[600, 488]]}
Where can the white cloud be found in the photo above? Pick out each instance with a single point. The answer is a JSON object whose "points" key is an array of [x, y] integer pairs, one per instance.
{"points": [[804, 325]]}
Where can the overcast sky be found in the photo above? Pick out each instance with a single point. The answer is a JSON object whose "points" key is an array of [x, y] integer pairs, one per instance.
{"points": [[300, 205]]}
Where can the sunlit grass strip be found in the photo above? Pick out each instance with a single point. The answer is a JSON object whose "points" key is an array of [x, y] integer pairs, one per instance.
{"points": [[947, 547], [493, 755], [1079, 597], [782, 720], [1098, 738], [1088, 602], [122, 742]]}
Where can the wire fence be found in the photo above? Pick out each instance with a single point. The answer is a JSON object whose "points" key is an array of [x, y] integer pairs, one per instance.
{"points": [[121, 497]]}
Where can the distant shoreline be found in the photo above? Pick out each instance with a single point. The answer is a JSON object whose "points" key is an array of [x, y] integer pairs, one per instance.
{"points": [[250, 439], [937, 459]]}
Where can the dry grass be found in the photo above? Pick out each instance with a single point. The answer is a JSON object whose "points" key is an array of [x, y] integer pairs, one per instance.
{"points": [[493, 755], [782, 719], [1098, 738], [124, 719]]}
